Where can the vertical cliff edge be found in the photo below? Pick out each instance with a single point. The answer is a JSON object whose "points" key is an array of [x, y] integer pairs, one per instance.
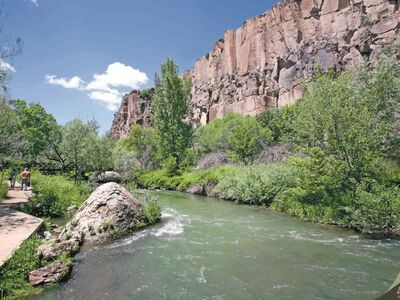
{"points": [[262, 63]]}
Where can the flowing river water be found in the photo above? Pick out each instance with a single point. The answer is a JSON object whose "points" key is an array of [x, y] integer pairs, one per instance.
{"points": [[205, 248]]}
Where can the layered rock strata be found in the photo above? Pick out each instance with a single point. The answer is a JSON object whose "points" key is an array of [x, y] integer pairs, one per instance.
{"points": [[262, 63]]}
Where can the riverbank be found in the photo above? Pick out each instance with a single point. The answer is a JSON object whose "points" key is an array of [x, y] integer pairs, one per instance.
{"points": [[278, 187]]}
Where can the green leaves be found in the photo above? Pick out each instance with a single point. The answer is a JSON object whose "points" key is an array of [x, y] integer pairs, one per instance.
{"points": [[242, 137], [170, 110]]}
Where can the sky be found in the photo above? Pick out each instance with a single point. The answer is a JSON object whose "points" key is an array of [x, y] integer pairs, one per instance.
{"points": [[80, 56]]}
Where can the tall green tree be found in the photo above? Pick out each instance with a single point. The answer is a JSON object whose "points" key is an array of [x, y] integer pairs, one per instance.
{"points": [[170, 111], [39, 128]]}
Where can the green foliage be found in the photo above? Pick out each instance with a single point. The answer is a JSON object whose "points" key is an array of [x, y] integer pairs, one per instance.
{"points": [[146, 94], [3, 191], [150, 207], [377, 207], [242, 137], [170, 109], [247, 139], [160, 179], [82, 150], [14, 274], [259, 184], [54, 194], [143, 143], [38, 128], [278, 121], [316, 191], [125, 162]]}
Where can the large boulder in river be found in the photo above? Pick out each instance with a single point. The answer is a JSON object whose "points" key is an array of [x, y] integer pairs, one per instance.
{"points": [[109, 176], [109, 211]]}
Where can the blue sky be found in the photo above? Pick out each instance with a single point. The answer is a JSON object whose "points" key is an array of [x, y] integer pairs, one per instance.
{"points": [[79, 56]]}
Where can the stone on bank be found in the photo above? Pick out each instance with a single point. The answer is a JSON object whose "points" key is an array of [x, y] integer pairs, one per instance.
{"points": [[110, 211]]}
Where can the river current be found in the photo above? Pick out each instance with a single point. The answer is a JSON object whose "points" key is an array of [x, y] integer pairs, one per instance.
{"points": [[205, 248]]}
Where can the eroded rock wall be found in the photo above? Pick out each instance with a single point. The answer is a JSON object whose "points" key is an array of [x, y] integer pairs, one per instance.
{"points": [[135, 109], [262, 63]]}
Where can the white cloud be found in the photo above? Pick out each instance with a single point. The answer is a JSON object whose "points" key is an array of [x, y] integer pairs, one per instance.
{"points": [[118, 75], [72, 83], [35, 2], [108, 87], [6, 66], [111, 99]]}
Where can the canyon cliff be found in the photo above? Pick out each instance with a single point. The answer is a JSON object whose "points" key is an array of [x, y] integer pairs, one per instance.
{"points": [[263, 63], [135, 109]]}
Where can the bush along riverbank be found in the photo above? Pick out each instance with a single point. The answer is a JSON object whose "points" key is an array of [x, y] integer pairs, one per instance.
{"points": [[330, 158]]}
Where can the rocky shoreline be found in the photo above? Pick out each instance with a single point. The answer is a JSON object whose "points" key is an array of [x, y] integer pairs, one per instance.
{"points": [[110, 212]]}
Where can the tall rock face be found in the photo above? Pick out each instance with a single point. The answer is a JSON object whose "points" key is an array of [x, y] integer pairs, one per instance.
{"points": [[262, 63], [135, 109]]}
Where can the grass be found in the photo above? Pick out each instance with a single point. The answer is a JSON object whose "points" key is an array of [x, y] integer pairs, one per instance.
{"points": [[54, 194], [14, 274], [3, 191]]}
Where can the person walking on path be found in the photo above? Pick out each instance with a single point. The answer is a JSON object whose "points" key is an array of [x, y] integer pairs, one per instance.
{"points": [[25, 177], [13, 177]]}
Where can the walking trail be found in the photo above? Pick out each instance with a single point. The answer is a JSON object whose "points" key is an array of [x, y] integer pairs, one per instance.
{"points": [[15, 226]]}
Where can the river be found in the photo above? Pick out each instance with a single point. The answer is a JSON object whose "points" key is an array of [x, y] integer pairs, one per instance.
{"points": [[205, 248]]}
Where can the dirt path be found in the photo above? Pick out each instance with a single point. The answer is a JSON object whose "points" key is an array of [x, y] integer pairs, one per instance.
{"points": [[15, 226]]}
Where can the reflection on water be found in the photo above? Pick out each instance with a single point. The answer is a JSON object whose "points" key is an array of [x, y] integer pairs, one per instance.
{"points": [[209, 249]]}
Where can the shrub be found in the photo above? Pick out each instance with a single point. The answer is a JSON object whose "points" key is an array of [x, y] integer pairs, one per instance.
{"points": [[151, 208], [258, 185], [125, 162], [14, 274], [3, 191], [278, 121], [241, 137], [141, 143], [161, 180], [377, 207], [317, 189], [54, 194]]}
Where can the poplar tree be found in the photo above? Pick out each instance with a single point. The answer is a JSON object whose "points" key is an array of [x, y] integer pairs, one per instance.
{"points": [[170, 112]]}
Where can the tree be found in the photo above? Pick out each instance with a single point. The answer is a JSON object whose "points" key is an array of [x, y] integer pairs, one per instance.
{"points": [[39, 128], [142, 142], [333, 118], [246, 139], [170, 110], [82, 150], [11, 138]]}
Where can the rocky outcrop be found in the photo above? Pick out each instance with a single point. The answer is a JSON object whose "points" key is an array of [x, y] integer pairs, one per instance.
{"points": [[261, 64], [135, 109], [109, 211], [53, 273]]}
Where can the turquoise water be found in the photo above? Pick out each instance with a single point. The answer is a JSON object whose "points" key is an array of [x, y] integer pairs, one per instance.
{"points": [[209, 249]]}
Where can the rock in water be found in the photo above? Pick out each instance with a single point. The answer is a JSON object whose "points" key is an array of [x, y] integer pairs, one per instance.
{"points": [[50, 274], [109, 211], [109, 176], [54, 250]]}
